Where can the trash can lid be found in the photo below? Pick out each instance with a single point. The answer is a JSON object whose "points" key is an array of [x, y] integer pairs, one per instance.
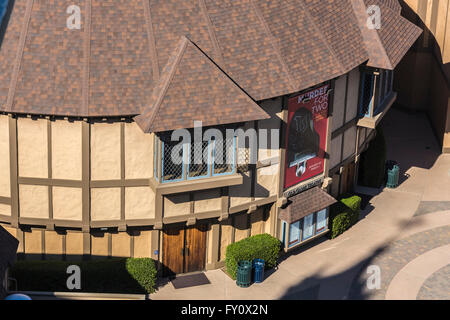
{"points": [[18, 296]]}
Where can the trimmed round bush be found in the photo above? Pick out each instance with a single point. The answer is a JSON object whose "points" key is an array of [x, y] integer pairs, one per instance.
{"points": [[143, 270], [262, 246], [373, 161], [344, 214]]}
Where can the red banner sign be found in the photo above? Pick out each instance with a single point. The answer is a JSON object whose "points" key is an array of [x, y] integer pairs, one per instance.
{"points": [[306, 136]]}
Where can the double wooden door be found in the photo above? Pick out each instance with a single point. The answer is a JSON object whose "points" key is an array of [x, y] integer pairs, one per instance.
{"points": [[184, 249]]}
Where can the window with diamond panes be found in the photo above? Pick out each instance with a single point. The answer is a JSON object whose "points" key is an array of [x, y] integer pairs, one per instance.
{"points": [[224, 156], [195, 160], [172, 170], [199, 159]]}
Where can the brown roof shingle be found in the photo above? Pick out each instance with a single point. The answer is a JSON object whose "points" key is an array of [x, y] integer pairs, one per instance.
{"points": [[305, 203]]}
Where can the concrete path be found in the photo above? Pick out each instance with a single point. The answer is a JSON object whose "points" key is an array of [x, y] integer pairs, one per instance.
{"points": [[388, 236]]}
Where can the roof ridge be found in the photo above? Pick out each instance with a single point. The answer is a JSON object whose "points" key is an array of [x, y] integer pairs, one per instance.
{"points": [[320, 32], [268, 32], [151, 40], [172, 67], [358, 5], [87, 58], [212, 34], [19, 56]]}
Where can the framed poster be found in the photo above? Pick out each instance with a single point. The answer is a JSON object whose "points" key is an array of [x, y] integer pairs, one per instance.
{"points": [[306, 135], [294, 233], [321, 223]]}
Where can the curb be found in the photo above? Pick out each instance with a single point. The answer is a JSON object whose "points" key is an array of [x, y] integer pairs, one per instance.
{"points": [[86, 295]]}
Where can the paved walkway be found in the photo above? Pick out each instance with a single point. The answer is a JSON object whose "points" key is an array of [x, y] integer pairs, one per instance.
{"points": [[393, 234]]}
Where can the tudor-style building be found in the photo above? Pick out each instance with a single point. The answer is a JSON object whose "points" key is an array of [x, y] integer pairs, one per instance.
{"points": [[87, 116]]}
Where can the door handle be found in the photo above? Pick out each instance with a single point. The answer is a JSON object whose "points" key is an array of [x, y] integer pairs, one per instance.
{"points": [[182, 251], [187, 251]]}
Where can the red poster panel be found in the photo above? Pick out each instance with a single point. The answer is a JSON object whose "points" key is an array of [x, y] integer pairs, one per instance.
{"points": [[306, 136]]}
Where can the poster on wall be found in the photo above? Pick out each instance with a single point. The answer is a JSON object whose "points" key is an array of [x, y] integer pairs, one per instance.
{"points": [[306, 135]]}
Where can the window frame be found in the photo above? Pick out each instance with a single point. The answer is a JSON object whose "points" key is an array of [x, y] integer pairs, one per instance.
{"points": [[364, 76], [156, 159], [159, 161], [213, 162], [183, 172], [288, 243], [299, 235], [187, 165], [319, 231]]}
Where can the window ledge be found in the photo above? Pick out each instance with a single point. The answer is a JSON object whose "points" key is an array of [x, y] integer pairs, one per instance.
{"points": [[371, 123], [302, 243], [195, 185]]}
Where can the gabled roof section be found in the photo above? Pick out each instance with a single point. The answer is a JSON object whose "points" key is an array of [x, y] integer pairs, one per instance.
{"points": [[397, 34], [193, 88]]}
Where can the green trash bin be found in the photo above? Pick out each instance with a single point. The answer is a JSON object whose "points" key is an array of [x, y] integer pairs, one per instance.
{"points": [[392, 177], [244, 273]]}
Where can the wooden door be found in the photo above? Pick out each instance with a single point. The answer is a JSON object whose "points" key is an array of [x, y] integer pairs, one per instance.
{"points": [[173, 250], [195, 253], [344, 183], [184, 249], [351, 177]]}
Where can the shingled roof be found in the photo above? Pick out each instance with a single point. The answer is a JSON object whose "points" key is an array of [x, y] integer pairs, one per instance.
{"points": [[305, 203], [115, 62]]}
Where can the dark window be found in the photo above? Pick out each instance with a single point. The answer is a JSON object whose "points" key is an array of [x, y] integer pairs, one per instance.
{"points": [[366, 94]]}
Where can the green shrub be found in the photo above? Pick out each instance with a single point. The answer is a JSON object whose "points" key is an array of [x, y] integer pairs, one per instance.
{"points": [[262, 246], [344, 214], [117, 275], [373, 162], [143, 270]]}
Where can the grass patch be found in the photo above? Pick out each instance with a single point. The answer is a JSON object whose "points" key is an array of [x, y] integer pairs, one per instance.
{"points": [[117, 275]]}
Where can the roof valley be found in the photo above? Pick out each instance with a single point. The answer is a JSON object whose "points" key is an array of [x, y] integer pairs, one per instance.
{"points": [[212, 35], [19, 56], [292, 82], [171, 68]]}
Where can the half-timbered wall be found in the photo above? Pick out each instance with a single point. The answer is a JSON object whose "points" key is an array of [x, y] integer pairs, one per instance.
{"points": [[94, 178], [347, 139]]}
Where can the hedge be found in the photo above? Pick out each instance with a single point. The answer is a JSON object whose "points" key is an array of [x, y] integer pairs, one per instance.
{"points": [[262, 246], [116, 275], [373, 161], [344, 214]]}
